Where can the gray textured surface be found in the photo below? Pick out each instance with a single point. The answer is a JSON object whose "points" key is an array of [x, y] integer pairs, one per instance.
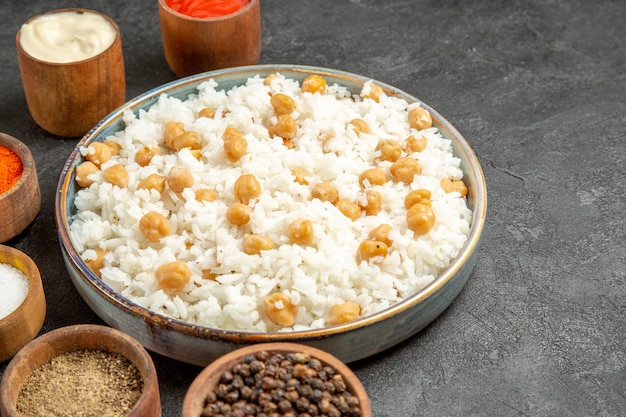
{"points": [[538, 88]]}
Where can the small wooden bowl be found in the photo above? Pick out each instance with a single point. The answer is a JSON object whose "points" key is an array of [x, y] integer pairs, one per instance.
{"points": [[68, 99], [21, 203], [23, 323], [194, 45], [208, 379], [80, 337]]}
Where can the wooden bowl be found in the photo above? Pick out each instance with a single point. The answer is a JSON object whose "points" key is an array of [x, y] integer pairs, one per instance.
{"points": [[74, 338], [21, 203], [194, 45], [68, 99], [23, 323], [209, 378]]}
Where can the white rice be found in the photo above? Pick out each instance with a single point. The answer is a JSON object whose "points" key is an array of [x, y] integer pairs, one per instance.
{"points": [[316, 276]]}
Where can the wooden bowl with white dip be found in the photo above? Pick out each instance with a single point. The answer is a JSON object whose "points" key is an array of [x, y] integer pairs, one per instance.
{"points": [[22, 301], [57, 48]]}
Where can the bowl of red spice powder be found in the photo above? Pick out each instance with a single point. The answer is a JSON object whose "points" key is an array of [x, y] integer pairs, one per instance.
{"points": [[20, 197]]}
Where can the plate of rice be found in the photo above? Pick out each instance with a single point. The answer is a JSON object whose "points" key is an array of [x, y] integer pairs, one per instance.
{"points": [[271, 203]]}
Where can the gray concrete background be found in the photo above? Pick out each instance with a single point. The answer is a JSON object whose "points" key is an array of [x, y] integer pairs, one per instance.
{"points": [[538, 88]]}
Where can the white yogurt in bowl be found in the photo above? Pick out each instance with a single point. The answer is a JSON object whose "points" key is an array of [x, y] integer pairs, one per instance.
{"points": [[67, 36]]}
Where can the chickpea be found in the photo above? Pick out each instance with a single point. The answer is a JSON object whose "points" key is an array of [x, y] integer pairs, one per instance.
{"points": [[153, 182], [372, 250], [191, 140], [117, 175], [115, 147], [419, 118], [313, 84], [344, 313], [372, 176], [98, 263], [145, 155], [374, 203], [179, 178], [285, 127], [405, 169], [173, 276], [299, 175], [282, 104], [207, 112], [254, 244], [235, 145], [301, 232], [450, 186], [268, 80], [348, 208], [204, 194], [154, 226], [374, 92], [420, 219], [415, 144], [280, 310], [360, 126], [389, 149], [172, 130], [419, 196], [325, 192], [246, 188], [84, 170], [381, 234], [238, 214], [98, 153]]}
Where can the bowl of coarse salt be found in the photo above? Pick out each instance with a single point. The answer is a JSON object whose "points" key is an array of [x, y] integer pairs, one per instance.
{"points": [[20, 196], [22, 301]]}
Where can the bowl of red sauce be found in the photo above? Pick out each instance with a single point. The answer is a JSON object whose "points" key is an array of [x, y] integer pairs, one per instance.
{"points": [[207, 35], [20, 196]]}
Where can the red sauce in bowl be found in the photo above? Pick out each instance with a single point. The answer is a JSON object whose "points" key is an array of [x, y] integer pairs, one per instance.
{"points": [[206, 8]]}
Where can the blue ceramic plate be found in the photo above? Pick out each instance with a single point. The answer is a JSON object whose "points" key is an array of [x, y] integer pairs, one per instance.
{"points": [[201, 345]]}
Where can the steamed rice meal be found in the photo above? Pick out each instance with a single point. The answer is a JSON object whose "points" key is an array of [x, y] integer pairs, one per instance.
{"points": [[277, 205]]}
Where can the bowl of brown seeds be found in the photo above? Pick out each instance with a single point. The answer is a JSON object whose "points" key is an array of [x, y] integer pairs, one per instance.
{"points": [[81, 370], [286, 379]]}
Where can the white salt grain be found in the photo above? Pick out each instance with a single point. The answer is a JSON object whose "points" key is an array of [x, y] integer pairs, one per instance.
{"points": [[13, 288]]}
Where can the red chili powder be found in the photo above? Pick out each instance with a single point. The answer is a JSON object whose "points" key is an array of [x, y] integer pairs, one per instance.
{"points": [[10, 168], [206, 8]]}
